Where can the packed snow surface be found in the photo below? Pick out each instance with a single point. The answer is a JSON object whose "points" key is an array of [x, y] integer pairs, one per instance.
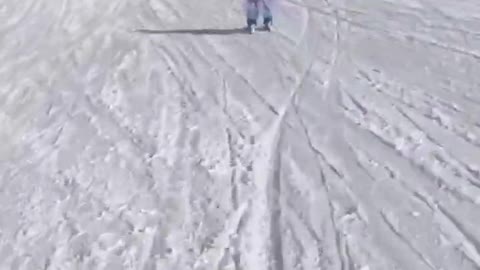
{"points": [[157, 134]]}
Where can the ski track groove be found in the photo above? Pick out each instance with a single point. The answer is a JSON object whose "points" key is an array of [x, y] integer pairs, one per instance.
{"points": [[186, 87], [335, 53], [226, 112], [307, 224], [274, 180], [236, 255], [318, 153], [376, 215], [276, 208], [102, 109], [275, 233], [241, 77], [223, 108], [250, 86], [420, 256], [431, 139], [470, 249], [186, 59], [235, 71], [439, 146], [234, 197], [143, 151], [277, 162], [225, 87], [399, 107], [470, 245], [401, 103], [233, 165], [386, 32], [272, 189], [298, 244]]}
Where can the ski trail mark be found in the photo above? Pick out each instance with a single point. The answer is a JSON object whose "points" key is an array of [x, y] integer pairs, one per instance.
{"points": [[402, 238], [221, 244], [335, 54]]}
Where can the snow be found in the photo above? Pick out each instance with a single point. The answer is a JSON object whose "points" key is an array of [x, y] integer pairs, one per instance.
{"points": [[156, 134]]}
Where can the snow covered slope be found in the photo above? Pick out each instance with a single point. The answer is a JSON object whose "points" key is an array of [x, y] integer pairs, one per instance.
{"points": [[156, 134]]}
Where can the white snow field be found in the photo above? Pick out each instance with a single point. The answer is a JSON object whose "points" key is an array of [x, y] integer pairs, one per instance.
{"points": [[157, 134]]}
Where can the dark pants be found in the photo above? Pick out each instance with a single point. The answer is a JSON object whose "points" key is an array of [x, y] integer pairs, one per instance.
{"points": [[253, 11]]}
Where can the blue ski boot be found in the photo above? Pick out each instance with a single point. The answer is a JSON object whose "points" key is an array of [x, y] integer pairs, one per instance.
{"points": [[267, 24], [267, 18]]}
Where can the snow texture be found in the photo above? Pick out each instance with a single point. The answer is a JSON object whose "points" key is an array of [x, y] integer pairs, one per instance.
{"points": [[157, 134]]}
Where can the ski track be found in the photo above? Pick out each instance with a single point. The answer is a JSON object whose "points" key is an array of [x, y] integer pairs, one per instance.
{"points": [[347, 138]]}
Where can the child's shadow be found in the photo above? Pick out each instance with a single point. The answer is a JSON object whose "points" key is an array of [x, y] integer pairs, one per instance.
{"points": [[207, 32]]}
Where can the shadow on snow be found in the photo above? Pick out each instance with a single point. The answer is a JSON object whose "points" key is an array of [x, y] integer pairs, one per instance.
{"points": [[211, 32]]}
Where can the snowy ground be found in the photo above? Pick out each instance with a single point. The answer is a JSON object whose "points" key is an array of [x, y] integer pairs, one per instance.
{"points": [[349, 138]]}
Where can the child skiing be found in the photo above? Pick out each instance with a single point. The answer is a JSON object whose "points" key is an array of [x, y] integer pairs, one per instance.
{"points": [[253, 11]]}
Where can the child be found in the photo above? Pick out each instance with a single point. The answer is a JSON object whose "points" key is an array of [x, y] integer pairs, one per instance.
{"points": [[253, 11]]}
